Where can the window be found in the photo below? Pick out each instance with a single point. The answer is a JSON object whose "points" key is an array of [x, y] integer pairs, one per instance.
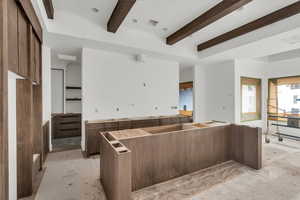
{"points": [[284, 94], [296, 99], [250, 99]]}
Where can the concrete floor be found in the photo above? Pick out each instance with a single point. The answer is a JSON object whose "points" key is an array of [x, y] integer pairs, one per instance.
{"points": [[70, 143], [71, 177]]}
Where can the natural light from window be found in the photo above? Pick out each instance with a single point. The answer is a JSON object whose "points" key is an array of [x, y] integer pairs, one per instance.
{"points": [[289, 98], [249, 99]]}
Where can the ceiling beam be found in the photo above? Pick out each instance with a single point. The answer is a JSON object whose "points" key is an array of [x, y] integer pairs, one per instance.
{"points": [[274, 17], [119, 14], [217, 12], [49, 8]]}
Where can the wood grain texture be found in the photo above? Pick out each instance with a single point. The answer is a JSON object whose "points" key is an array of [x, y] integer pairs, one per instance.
{"points": [[38, 58], [37, 119], [46, 131], [161, 157], [115, 169], [49, 8], [246, 145], [3, 99], [13, 52], [31, 15], [23, 45], [119, 14], [274, 17], [217, 12], [66, 125], [93, 128], [172, 151], [24, 138]]}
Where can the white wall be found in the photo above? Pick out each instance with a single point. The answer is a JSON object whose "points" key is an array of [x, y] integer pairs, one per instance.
{"points": [[186, 75], [214, 92], [250, 69], [46, 84], [112, 80], [12, 136], [46, 77], [73, 78]]}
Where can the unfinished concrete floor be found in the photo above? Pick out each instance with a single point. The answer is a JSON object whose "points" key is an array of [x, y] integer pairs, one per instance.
{"points": [[71, 177]]}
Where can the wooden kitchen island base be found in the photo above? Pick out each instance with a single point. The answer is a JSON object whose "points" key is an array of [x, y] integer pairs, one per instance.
{"points": [[138, 158]]}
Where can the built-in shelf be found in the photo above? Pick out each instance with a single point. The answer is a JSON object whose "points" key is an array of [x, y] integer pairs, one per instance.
{"points": [[73, 99], [73, 88]]}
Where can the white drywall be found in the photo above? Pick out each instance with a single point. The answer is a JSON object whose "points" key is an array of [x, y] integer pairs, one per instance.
{"points": [[12, 135], [57, 91], [112, 81], [283, 68], [250, 69], [46, 77], [214, 92], [186, 75], [73, 78], [46, 84]]}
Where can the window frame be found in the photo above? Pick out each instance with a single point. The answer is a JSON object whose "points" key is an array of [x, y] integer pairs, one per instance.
{"points": [[257, 115], [273, 86]]}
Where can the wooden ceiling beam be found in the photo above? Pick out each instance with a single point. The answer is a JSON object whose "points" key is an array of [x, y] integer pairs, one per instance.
{"points": [[49, 8], [119, 14], [217, 12], [274, 17]]}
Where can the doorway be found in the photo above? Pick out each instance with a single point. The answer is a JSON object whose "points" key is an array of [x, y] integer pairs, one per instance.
{"points": [[66, 107], [186, 98], [57, 91]]}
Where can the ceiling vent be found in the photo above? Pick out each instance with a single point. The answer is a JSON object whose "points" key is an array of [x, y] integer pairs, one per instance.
{"points": [[67, 57]]}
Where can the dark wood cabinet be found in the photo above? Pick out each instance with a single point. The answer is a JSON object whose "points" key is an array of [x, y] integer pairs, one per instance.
{"points": [[22, 56], [93, 128], [24, 137], [35, 57], [13, 54], [24, 44], [66, 125]]}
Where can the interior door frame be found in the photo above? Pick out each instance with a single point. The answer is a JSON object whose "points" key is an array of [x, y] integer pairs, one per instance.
{"points": [[63, 74]]}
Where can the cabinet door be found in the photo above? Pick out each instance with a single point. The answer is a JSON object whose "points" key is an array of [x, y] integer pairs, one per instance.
{"points": [[23, 38], [37, 60], [32, 54], [35, 57], [13, 54]]}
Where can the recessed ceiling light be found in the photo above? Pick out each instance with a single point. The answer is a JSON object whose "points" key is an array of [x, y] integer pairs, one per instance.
{"points": [[95, 10], [134, 20]]}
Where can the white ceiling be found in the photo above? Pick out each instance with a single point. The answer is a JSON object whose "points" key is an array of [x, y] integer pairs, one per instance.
{"points": [[171, 14], [89, 30]]}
